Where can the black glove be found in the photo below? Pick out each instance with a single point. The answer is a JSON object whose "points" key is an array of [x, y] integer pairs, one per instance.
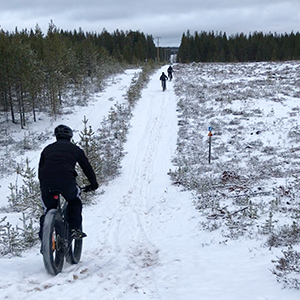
{"points": [[94, 186], [87, 189], [90, 187]]}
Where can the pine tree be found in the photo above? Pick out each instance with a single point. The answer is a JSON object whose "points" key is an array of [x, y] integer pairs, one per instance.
{"points": [[27, 197], [88, 142]]}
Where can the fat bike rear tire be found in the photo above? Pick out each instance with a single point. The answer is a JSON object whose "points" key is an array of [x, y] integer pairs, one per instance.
{"points": [[74, 248], [53, 242]]}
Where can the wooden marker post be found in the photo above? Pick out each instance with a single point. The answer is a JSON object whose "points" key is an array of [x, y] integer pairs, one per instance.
{"points": [[209, 144]]}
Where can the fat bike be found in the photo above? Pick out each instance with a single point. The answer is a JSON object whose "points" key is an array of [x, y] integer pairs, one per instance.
{"points": [[57, 242]]}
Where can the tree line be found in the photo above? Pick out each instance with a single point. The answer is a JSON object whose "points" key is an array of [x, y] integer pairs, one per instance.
{"points": [[38, 71], [217, 47]]}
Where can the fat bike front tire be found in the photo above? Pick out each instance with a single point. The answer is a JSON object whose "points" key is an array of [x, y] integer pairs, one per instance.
{"points": [[53, 242]]}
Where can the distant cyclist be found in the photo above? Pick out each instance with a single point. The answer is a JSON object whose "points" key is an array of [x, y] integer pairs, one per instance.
{"points": [[57, 172], [163, 78], [170, 73]]}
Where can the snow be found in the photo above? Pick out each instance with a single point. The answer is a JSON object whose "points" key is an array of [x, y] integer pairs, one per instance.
{"points": [[144, 239]]}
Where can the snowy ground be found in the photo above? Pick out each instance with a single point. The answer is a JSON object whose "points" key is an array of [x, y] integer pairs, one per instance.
{"points": [[144, 239]]}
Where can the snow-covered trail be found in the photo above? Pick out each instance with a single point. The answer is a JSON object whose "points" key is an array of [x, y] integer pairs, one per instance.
{"points": [[148, 216]]}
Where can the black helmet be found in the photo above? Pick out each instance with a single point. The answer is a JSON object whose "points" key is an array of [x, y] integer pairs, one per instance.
{"points": [[63, 132]]}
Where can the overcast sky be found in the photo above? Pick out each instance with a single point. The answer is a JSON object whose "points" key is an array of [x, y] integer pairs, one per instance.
{"points": [[167, 19]]}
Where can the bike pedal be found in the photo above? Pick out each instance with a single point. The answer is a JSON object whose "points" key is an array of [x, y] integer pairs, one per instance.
{"points": [[77, 234]]}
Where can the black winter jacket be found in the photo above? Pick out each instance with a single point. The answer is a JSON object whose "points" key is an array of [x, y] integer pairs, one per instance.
{"points": [[59, 160], [163, 77]]}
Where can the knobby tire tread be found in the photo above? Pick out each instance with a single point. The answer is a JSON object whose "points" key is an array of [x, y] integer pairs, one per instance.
{"points": [[53, 260]]}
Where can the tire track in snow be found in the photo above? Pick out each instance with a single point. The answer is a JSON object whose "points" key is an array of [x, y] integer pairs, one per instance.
{"points": [[135, 205], [129, 202]]}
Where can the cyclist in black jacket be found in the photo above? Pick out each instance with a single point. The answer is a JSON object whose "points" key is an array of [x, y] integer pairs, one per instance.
{"points": [[57, 172], [163, 78], [170, 73]]}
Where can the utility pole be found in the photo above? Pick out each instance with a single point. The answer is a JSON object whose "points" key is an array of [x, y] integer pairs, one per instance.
{"points": [[158, 60]]}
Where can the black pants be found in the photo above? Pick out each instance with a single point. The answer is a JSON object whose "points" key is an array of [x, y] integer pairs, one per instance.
{"points": [[70, 192]]}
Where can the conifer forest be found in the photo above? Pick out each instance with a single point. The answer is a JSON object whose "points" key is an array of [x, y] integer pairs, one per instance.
{"points": [[37, 70], [218, 47]]}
